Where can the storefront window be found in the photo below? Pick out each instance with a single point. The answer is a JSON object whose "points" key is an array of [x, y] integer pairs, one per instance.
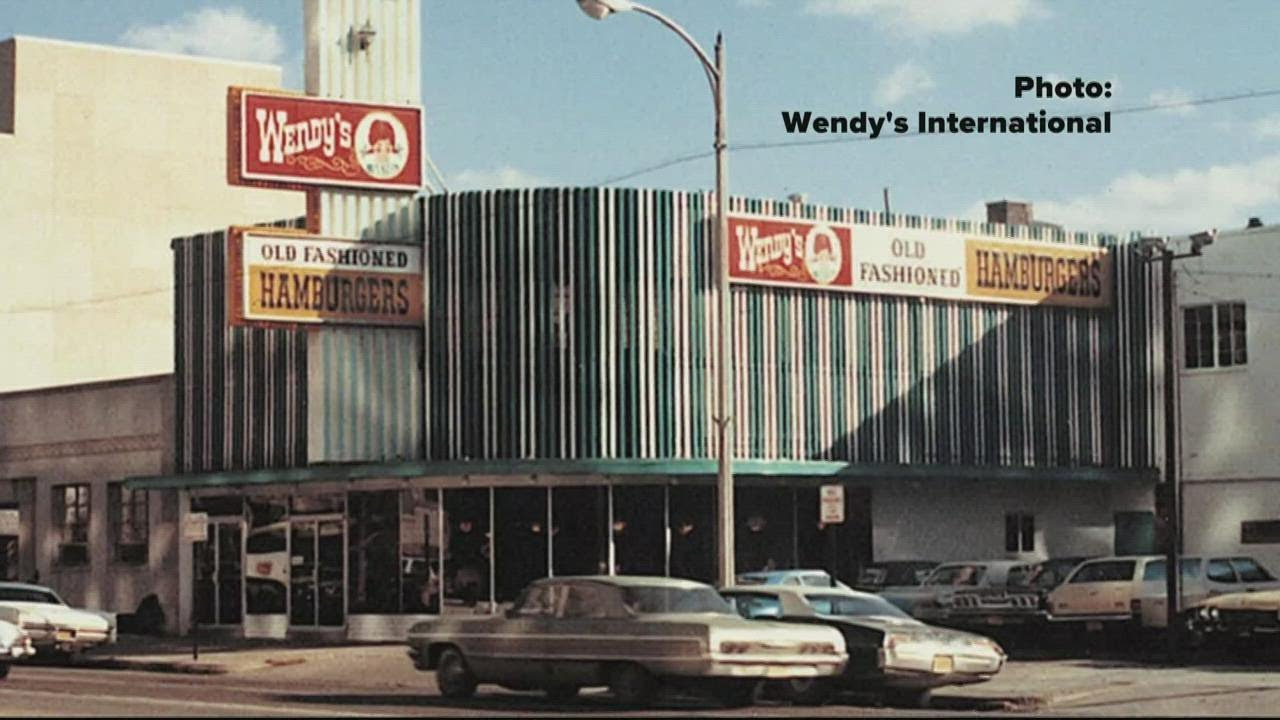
{"points": [[580, 516], [638, 522], [764, 533], [693, 532], [520, 519], [467, 551], [373, 538], [420, 551], [267, 557]]}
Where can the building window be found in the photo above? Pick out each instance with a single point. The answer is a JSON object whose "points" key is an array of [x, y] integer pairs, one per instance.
{"points": [[128, 520], [1019, 532], [1259, 532], [1214, 335], [71, 518]]}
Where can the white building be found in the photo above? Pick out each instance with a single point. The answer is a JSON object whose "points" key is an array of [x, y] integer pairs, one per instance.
{"points": [[1229, 360], [105, 155]]}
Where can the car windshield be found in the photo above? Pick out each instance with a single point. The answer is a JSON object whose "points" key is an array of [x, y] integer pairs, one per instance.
{"points": [[847, 606], [657, 600], [31, 595], [956, 575]]}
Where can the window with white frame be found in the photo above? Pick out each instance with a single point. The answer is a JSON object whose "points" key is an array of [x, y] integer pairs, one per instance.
{"points": [[1214, 335], [71, 519], [127, 512]]}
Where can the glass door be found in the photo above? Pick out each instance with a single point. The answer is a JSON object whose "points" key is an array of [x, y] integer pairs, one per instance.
{"points": [[317, 573], [219, 579]]}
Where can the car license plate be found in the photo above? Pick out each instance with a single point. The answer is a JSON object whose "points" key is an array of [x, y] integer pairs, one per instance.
{"points": [[995, 620], [66, 635], [1093, 626], [943, 663]]}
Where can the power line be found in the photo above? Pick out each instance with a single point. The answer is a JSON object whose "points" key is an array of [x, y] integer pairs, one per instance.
{"points": [[1251, 95]]}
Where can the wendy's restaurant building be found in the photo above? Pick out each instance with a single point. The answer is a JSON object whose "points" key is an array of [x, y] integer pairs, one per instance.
{"points": [[976, 390]]}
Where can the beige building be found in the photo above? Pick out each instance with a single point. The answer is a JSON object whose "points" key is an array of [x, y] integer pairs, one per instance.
{"points": [[107, 153]]}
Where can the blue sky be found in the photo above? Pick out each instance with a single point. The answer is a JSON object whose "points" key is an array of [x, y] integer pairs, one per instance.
{"points": [[522, 92]]}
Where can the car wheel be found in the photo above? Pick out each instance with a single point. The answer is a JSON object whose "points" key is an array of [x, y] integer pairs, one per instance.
{"points": [[4, 670], [908, 698], [453, 677], [561, 693], [808, 691], [632, 685]]}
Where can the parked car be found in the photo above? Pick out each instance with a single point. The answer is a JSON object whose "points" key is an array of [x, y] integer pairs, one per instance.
{"points": [[15, 644], [1131, 590], [634, 634], [52, 625], [931, 600], [1236, 616], [893, 573], [811, 578], [1020, 601], [889, 651]]}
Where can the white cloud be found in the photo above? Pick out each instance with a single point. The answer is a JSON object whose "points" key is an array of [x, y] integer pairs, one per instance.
{"points": [[1180, 201], [1172, 96], [1267, 127], [226, 33], [906, 80], [502, 177], [931, 17]]}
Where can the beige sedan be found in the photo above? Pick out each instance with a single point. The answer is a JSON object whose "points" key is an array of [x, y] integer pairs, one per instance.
{"points": [[634, 634]]}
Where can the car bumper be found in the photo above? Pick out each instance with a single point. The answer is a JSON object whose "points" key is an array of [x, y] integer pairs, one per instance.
{"points": [[773, 669], [68, 639], [938, 669]]}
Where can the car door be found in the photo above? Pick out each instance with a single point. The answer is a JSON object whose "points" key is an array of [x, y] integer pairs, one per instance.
{"points": [[589, 631], [517, 651], [1098, 588]]}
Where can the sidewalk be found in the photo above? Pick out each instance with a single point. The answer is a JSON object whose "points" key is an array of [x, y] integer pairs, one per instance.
{"points": [[222, 655]]}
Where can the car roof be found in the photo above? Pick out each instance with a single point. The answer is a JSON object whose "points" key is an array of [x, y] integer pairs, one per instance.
{"points": [[26, 586], [804, 590], [628, 581]]}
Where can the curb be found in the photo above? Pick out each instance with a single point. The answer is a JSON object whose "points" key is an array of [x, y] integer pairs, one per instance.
{"points": [[186, 667]]}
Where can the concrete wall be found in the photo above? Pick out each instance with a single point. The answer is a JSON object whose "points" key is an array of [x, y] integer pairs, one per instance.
{"points": [[94, 434], [112, 153], [1231, 416], [965, 520]]}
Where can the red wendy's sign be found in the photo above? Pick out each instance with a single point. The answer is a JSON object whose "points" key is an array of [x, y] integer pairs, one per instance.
{"points": [[798, 253], [298, 141]]}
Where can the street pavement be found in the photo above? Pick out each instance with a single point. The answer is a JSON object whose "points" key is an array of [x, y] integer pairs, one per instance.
{"points": [[239, 679]]}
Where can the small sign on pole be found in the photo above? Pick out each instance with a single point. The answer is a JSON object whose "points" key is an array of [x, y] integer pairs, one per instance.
{"points": [[831, 504], [195, 527]]}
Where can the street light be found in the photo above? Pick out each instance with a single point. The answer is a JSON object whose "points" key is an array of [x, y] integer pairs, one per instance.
{"points": [[1157, 249], [599, 10]]}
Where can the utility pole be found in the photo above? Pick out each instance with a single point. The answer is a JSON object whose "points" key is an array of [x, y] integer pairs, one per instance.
{"points": [[1157, 249]]}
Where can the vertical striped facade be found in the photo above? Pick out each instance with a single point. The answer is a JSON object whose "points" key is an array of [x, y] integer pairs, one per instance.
{"points": [[240, 392], [578, 323], [251, 398]]}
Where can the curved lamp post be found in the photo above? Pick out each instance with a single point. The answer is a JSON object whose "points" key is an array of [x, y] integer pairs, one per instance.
{"points": [[599, 10]]}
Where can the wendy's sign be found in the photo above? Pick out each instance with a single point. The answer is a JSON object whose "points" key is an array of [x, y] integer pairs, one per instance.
{"points": [[298, 141], [797, 253]]}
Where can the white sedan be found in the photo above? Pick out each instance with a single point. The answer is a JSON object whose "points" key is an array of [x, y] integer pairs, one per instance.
{"points": [[14, 645], [51, 624]]}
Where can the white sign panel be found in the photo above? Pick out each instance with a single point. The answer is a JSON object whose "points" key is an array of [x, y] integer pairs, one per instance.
{"points": [[831, 504], [195, 527], [903, 261], [9, 522]]}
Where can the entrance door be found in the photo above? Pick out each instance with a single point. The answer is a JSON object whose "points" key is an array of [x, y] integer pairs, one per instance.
{"points": [[219, 579], [316, 578]]}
